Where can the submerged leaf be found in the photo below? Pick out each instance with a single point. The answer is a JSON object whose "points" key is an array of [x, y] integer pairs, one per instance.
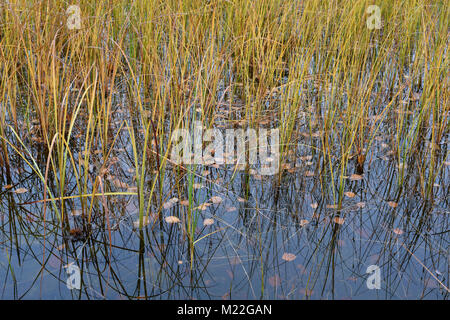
{"points": [[145, 221], [361, 205], [202, 207], [339, 220], [275, 281], [350, 194], [303, 222]]}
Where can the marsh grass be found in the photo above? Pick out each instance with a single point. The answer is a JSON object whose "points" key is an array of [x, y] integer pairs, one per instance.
{"points": [[310, 68]]}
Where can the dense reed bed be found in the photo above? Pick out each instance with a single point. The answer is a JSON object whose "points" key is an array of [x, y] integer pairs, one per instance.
{"points": [[89, 112]]}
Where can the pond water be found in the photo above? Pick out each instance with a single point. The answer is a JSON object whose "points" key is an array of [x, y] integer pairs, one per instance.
{"points": [[270, 237]]}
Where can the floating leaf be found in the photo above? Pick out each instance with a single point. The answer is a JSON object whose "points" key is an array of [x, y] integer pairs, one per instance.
{"points": [[208, 222], [8, 186], [339, 220], [356, 177], [350, 194], [120, 184], [202, 207], [20, 190], [197, 186], [288, 257], [332, 206], [231, 209], [184, 203], [241, 199], [216, 199], [314, 205], [398, 231], [145, 221], [172, 219], [361, 205], [303, 222], [393, 204]]}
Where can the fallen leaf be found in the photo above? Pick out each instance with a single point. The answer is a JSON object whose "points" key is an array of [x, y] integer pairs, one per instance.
{"points": [[76, 213], [303, 222], [309, 173], [208, 222], [314, 205], [216, 199], [241, 199], [350, 194], [202, 207], [356, 177], [20, 190], [339, 220], [398, 231], [288, 257], [8, 186], [361, 205], [231, 209], [172, 219], [392, 204], [170, 203]]}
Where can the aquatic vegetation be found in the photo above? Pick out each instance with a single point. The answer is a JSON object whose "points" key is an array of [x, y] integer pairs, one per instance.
{"points": [[92, 95]]}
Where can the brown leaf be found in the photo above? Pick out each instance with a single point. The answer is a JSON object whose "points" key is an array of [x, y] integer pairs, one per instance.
{"points": [[393, 204], [275, 281], [303, 222], [288, 257], [356, 177], [350, 194], [172, 219], [208, 222], [216, 199], [339, 220]]}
